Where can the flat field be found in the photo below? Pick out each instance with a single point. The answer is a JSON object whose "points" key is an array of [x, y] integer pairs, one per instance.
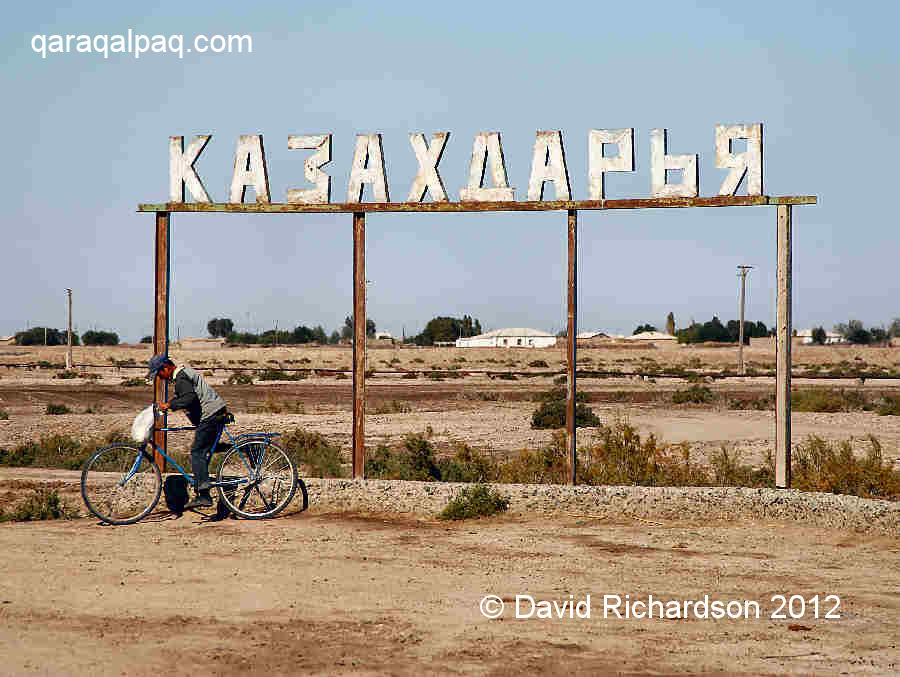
{"points": [[329, 591]]}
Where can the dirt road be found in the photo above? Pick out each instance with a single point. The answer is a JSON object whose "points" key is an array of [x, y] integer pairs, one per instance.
{"points": [[332, 593]]}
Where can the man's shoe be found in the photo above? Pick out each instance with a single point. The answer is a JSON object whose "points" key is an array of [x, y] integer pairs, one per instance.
{"points": [[199, 502]]}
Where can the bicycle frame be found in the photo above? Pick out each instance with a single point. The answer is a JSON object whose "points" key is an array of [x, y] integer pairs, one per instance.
{"points": [[233, 440]]}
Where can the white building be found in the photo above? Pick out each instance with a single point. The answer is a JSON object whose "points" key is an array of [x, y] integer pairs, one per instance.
{"points": [[654, 336], [509, 338], [805, 336]]}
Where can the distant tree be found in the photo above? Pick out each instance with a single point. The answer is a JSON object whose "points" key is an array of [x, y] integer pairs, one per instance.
{"points": [[819, 336], [445, 328], [347, 329], [713, 330], [147, 339], [854, 332], [100, 338], [879, 334], [35, 337], [335, 337], [242, 337], [219, 328], [370, 328], [641, 328], [894, 329], [670, 324], [302, 334]]}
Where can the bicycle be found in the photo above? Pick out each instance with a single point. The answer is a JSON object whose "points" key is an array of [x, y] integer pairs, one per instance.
{"points": [[256, 479]]}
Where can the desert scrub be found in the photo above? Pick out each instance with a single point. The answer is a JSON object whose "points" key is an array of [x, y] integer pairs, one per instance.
{"points": [[133, 382], [57, 451], [239, 378], [55, 409], [473, 502], [4, 416], [311, 450], [392, 407], [696, 394], [829, 400], [538, 363], [820, 466], [414, 462], [763, 402], [889, 406], [67, 374], [281, 375], [469, 465], [43, 504]]}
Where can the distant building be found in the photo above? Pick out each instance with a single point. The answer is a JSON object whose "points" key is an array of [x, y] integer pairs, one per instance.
{"points": [[653, 336], [207, 342], [509, 338], [804, 336], [383, 335]]}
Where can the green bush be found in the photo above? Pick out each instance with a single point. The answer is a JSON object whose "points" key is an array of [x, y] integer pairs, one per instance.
{"points": [[552, 412], [4, 416], [316, 454], [468, 465], [43, 504], [100, 338], [55, 409], [416, 462], [696, 394], [67, 374], [473, 502]]}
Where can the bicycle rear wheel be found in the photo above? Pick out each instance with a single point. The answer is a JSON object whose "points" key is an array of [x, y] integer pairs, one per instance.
{"points": [[121, 484], [257, 479]]}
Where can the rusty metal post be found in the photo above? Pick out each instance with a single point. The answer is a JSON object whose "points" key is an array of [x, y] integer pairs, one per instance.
{"points": [[161, 320], [783, 353], [359, 345], [571, 347]]}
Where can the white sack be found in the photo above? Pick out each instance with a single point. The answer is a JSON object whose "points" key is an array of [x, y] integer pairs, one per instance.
{"points": [[143, 425]]}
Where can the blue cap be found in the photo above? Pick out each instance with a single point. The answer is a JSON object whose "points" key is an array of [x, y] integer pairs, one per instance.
{"points": [[156, 363]]}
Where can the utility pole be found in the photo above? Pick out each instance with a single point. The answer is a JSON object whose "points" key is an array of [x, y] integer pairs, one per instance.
{"points": [[69, 351], [743, 270]]}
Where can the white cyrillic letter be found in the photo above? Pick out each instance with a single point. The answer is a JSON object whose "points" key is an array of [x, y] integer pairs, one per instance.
{"points": [[487, 148], [368, 147], [599, 165], [548, 146], [321, 143], [749, 162], [181, 169], [660, 162], [249, 169], [428, 177]]}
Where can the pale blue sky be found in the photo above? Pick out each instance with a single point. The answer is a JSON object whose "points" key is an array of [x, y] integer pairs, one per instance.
{"points": [[86, 140]]}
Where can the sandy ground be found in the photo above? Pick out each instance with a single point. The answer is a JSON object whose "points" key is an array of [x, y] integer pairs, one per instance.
{"points": [[370, 594], [346, 593]]}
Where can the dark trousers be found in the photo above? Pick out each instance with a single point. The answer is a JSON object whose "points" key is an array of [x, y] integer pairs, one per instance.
{"points": [[204, 437]]}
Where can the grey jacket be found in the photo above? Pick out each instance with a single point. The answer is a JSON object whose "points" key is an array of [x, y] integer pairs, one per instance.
{"points": [[194, 395]]}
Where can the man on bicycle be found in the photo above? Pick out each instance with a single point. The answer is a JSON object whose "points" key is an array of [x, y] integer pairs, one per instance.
{"points": [[205, 409]]}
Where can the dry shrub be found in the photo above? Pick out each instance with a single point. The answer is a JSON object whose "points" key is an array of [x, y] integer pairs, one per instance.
{"points": [[820, 466], [43, 504], [829, 401], [316, 456], [57, 451]]}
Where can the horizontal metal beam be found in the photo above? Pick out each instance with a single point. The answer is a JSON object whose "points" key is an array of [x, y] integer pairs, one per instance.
{"points": [[542, 206]]}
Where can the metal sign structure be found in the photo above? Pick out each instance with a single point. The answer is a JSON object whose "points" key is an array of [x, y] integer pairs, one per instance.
{"points": [[548, 166]]}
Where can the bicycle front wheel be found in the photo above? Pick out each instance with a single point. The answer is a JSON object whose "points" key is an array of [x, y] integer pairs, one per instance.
{"points": [[257, 479], [121, 484]]}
